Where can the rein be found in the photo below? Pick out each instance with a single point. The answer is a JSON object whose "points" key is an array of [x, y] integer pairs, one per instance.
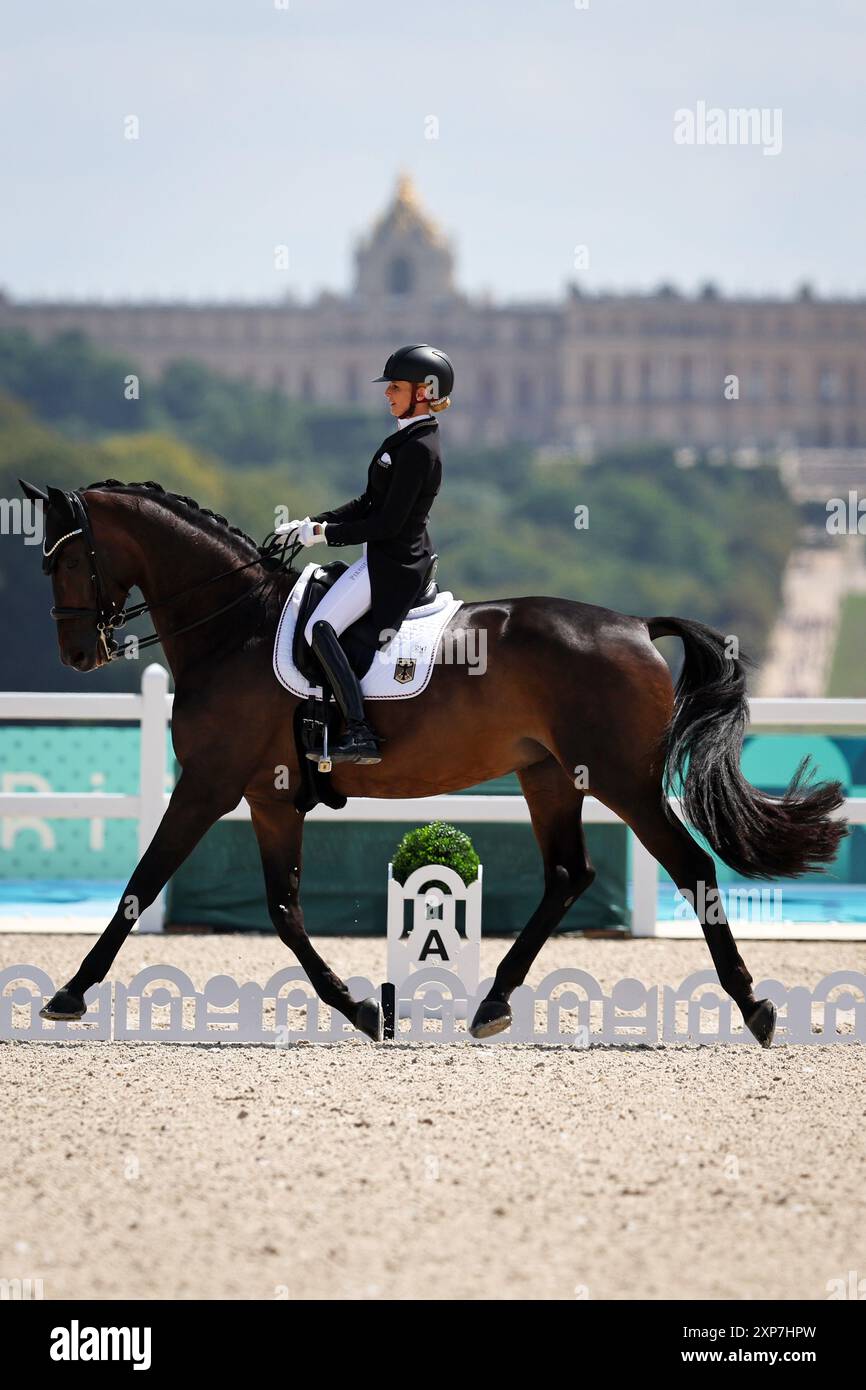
{"points": [[108, 616]]}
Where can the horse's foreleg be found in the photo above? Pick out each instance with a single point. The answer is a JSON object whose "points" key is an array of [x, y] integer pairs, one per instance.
{"points": [[554, 807], [279, 830], [194, 807]]}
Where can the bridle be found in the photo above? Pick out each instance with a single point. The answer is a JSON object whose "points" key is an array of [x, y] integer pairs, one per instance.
{"points": [[107, 613]]}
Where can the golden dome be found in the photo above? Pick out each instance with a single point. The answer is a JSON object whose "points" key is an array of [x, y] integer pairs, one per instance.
{"points": [[405, 214]]}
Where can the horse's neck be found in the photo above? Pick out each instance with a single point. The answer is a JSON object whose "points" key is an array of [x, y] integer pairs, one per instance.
{"points": [[172, 568]]}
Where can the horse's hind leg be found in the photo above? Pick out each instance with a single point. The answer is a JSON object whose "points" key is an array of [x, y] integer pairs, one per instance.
{"points": [[280, 830], [554, 807], [694, 873]]}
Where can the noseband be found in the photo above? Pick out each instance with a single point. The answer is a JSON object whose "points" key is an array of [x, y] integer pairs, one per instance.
{"points": [[106, 612]]}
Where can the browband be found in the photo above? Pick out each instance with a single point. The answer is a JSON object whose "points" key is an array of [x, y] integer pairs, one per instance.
{"points": [[68, 537]]}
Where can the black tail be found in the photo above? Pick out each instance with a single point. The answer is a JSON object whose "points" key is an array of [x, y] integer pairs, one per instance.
{"points": [[759, 836]]}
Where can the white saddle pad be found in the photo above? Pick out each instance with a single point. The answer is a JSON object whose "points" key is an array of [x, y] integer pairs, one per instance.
{"points": [[400, 669]]}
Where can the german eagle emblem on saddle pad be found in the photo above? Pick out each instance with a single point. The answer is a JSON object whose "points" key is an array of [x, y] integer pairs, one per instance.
{"points": [[401, 669]]}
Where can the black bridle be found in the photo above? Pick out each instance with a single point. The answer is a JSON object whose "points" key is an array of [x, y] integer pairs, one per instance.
{"points": [[272, 553]]}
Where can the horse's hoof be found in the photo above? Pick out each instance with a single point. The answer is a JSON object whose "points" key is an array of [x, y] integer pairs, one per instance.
{"points": [[64, 1007], [762, 1021], [493, 1016], [370, 1019]]}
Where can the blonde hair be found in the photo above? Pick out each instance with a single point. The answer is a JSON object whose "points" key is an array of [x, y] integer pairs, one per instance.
{"points": [[434, 403]]}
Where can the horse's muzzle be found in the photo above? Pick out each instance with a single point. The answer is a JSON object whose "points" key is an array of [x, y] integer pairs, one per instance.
{"points": [[81, 660]]}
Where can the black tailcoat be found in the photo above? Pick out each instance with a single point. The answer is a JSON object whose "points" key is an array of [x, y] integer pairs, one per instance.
{"points": [[391, 516]]}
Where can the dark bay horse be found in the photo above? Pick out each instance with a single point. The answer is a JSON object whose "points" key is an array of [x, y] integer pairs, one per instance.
{"points": [[575, 699]]}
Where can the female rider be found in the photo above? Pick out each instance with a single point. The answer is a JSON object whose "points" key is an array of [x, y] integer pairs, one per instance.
{"points": [[390, 520]]}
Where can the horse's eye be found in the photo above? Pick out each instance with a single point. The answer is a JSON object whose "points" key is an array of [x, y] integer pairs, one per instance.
{"points": [[71, 563]]}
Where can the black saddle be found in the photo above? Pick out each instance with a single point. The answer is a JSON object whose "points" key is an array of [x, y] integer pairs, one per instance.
{"points": [[320, 581]]}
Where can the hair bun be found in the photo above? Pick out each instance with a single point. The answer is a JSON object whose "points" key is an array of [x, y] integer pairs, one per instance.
{"points": [[441, 404]]}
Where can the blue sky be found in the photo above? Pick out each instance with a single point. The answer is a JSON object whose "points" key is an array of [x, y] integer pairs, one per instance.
{"points": [[261, 126]]}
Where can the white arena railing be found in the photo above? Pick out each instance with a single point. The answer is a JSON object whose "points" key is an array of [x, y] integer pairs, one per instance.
{"points": [[152, 711]]}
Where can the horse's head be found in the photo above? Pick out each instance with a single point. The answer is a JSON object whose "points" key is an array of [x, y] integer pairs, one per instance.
{"points": [[82, 564]]}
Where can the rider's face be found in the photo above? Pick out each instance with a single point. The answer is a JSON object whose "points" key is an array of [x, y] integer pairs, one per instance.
{"points": [[399, 395]]}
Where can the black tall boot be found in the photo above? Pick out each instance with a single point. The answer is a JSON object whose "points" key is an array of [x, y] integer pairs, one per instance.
{"points": [[359, 743]]}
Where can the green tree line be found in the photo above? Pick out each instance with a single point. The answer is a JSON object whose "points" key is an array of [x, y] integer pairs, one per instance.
{"points": [[707, 541]]}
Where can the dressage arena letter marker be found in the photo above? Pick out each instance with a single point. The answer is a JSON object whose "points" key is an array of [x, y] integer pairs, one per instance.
{"points": [[434, 894]]}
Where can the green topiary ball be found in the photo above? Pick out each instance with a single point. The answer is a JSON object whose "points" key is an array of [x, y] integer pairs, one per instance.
{"points": [[436, 843]]}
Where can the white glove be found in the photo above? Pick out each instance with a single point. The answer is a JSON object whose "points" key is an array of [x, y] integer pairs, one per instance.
{"points": [[288, 528], [311, 532]]}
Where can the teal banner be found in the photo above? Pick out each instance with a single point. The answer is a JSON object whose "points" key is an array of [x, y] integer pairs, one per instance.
{"points": [[345, 876], [345, 864], [69, 758]]}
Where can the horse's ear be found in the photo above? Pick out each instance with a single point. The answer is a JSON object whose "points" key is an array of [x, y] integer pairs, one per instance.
{"points": [[32, 492], [59, 502]]}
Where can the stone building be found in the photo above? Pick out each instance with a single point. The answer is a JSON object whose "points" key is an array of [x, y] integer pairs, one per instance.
{"points": [[585, 371]]}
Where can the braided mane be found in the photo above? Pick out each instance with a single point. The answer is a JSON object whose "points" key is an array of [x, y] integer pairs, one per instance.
{"points": [[190, 508]]}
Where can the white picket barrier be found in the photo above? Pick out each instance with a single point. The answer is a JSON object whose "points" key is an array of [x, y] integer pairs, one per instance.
{"points": [[569, 1007], [152, 710]]}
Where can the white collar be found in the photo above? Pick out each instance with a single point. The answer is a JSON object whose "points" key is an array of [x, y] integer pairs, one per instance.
{"points": [[401, 424]]}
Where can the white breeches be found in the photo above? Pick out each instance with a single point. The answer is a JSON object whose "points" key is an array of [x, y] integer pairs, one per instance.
{"points": [[345, 601]]}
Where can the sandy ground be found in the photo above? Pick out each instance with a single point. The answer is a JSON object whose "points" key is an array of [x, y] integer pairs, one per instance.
{"points": [[435, 1172]]}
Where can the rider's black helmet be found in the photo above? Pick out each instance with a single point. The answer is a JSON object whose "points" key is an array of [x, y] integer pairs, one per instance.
{"points": [[420, 363]]}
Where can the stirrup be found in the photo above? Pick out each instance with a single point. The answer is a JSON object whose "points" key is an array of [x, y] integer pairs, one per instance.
{"points": [[320, 756]]}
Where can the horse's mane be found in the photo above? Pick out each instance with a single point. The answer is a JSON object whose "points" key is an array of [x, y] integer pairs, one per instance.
{"points": [[269, 601], [187, 507]]}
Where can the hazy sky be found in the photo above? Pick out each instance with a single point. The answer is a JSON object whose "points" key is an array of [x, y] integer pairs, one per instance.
{"points": [[262, 125]]}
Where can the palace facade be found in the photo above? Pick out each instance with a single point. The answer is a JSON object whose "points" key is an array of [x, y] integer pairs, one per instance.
{"points": [[583, 372]]}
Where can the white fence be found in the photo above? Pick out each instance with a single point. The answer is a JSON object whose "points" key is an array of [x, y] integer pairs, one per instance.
{"points": [[152, 710]]}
